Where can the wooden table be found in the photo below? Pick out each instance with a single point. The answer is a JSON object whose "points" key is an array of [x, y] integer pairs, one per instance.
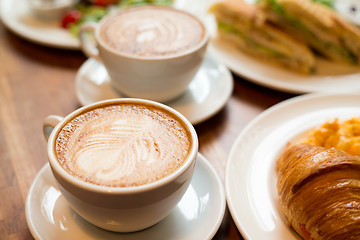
{"points": [[36, 81]]}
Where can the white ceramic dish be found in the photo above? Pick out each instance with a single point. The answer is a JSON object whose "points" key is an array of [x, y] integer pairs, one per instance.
{"points": [[330, 77], [16, 16], [207, 93], [197, 216], [250, 177], [349, 9]]}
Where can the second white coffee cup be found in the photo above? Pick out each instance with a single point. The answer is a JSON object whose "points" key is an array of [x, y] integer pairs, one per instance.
{"points": [[150, 52]]}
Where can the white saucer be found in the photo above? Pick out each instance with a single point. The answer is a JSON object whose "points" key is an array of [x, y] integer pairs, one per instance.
{"points": [[207, 93], [197, 216]]}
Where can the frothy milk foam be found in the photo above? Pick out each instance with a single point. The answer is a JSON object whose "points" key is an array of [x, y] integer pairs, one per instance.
{"points": [[123, 145], [152, 32]]}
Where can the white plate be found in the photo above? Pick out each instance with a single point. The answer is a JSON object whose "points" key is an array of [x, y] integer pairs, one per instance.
{"points": [[197, 216], [250, 177], [207, 93], [330, 77], [349, 9], [16, 15]]}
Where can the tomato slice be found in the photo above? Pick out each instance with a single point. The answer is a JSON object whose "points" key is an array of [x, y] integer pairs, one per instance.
{"points": [[70, 17], [104, 2]]}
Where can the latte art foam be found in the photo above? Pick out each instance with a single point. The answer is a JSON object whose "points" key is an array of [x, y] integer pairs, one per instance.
{"points": [[152, 31], [122, 145]]}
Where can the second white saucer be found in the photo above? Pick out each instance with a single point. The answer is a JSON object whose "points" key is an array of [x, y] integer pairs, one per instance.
{"points": [[207, 93]]}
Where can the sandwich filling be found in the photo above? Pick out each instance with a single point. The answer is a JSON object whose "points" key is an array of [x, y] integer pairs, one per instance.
{"points": [[316, 25], [246, 26]]}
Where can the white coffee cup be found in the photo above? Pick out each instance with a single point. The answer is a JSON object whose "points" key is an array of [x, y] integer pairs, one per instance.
{"points": [[118, 208], [160, 75]]}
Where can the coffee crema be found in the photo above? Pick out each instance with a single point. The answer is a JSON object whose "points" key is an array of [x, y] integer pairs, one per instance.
{"points": [[152, 31], [123, 145]]}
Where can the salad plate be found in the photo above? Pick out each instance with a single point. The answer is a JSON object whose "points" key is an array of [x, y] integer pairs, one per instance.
{"points": [[206, 95], [250, 176], [197, 216], [16, 16]]}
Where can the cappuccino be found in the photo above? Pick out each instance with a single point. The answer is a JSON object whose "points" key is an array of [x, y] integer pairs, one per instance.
{"points": [[152, 32], [123, 145]]}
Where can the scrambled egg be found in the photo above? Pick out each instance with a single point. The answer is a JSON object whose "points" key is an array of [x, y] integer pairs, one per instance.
{"points": [[344, 135]]}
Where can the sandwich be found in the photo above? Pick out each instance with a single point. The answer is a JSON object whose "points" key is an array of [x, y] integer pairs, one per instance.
{"points": [[246, 27], [316, 25]]}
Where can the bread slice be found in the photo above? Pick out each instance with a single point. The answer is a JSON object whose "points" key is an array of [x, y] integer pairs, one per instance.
{"points": [[317, 26], [246, 26]]}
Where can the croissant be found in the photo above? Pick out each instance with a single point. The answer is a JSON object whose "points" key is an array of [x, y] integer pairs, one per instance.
{"points": [[319, 191]]}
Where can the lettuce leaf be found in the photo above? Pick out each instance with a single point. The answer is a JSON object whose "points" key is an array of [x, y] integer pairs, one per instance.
{"points": [[328, 3]]}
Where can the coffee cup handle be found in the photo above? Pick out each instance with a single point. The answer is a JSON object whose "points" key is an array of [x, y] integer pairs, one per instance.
{"points": [[87, 40], [49, 124]]}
